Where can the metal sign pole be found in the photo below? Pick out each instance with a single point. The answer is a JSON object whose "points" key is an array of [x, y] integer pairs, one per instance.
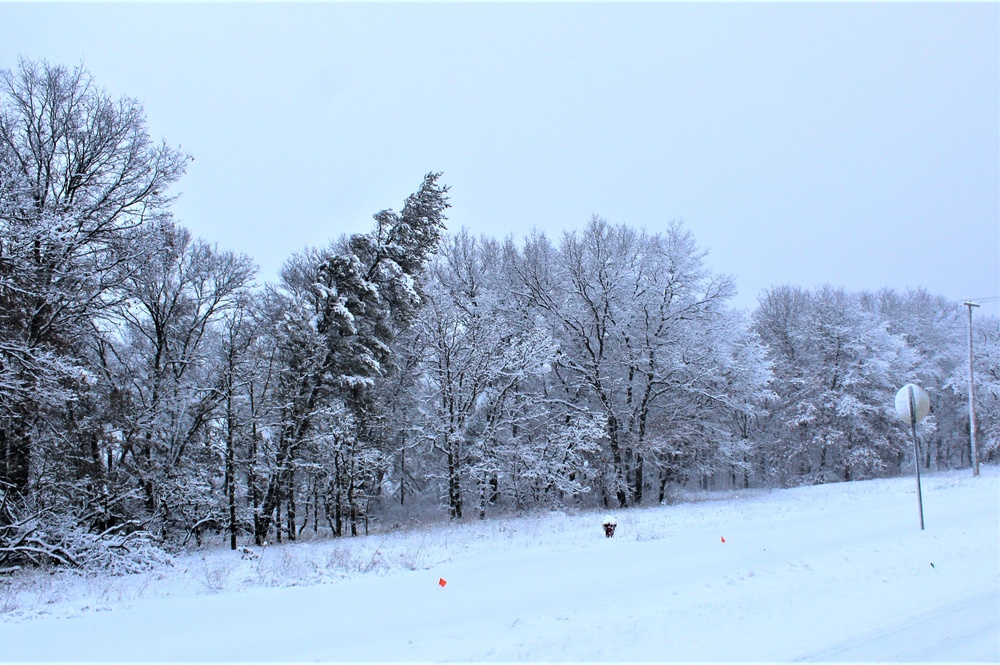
{"points": [[916, 454]]}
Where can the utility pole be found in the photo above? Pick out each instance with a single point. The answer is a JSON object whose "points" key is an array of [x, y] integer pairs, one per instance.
{"points": [[972, 397]]}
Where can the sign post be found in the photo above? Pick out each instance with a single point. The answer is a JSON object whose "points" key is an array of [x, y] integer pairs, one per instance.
{"points": [[913, 404]]}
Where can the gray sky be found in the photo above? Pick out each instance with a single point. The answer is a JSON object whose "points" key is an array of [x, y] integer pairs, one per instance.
{"points": [[850, 144]]}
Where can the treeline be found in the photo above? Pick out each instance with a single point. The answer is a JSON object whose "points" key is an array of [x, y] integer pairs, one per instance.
{"points": [[152, 392]]}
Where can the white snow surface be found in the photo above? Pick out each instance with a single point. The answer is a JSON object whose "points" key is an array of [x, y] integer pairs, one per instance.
{"points": [[828, 573]]}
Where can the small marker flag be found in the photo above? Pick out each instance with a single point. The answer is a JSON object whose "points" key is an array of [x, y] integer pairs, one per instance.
{"points": [[442, 581]]}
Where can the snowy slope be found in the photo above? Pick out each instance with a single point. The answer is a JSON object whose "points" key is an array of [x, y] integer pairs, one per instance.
{"points": [[836, 572]]}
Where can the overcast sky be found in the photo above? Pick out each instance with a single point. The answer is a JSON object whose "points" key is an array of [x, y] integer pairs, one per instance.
{"points": [[804, 144]]}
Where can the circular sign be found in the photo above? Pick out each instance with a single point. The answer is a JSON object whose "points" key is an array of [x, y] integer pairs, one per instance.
{"points": [[921, 402]]}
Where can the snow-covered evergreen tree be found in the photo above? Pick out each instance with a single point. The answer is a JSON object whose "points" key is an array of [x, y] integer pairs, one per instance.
{"points": [[337, 313]]}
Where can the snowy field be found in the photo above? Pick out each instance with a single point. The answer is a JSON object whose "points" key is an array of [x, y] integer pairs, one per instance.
{"points": [[830, 573]]}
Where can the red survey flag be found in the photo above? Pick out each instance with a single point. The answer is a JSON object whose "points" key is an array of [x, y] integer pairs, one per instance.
{"points": [[442, 581]]}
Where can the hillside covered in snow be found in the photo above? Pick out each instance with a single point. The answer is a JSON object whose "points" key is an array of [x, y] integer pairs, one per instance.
{"points": [[836, 572]]}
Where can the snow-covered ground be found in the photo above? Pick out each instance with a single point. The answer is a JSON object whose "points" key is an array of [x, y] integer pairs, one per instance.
{"points": [[830, 573]]}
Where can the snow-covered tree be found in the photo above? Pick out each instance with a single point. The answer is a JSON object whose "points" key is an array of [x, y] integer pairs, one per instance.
{"points": [[168, 376], [246, 364], [986, 373], [337, 313], [80, 183], [79, 179], [485, 366], [637, 319], [836, 369], [473, 361], [711, 426], [935, 330]]}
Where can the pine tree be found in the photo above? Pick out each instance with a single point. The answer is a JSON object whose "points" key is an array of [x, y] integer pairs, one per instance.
{"points": [[339, 311]]}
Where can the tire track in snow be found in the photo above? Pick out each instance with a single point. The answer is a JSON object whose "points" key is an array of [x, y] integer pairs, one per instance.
{"points": [[963, 631]]}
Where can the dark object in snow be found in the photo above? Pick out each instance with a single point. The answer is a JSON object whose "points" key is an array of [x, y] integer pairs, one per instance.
{"points": [[609, 526]]}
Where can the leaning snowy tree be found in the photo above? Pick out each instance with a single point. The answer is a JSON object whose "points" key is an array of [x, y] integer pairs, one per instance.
{"points": [[337, 313], [79, 178]]}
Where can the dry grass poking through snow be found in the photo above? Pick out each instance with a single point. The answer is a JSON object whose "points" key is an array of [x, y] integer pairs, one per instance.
{"points": [[30, 594]]}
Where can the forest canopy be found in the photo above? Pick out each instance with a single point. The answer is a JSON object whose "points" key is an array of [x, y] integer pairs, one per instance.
{"points": [[153, 393]]}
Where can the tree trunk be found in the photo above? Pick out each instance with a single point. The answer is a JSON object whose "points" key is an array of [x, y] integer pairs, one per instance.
{"points": [[638, 478], [315, 505], [277, 518], [454, 484], [338, 497], [616, 456], [290, 495], [352, 505], [402, 473], [253, 491], [16, 450], [231, 492], [231, 469]]}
